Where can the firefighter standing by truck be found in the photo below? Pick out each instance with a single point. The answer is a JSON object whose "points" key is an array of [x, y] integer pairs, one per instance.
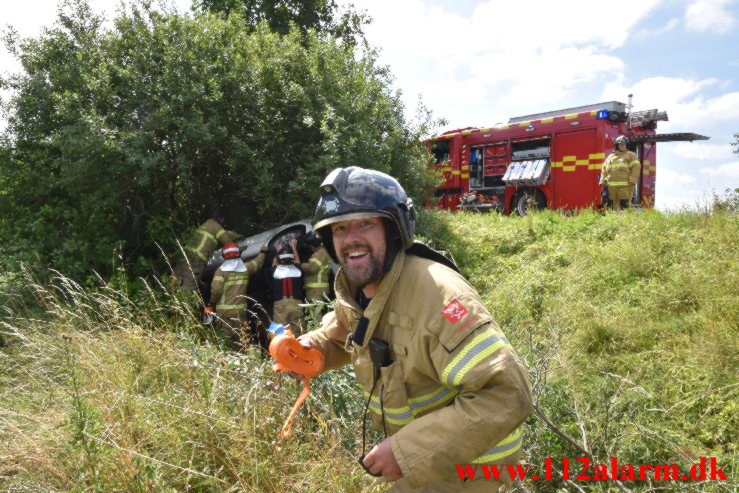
{"points": [[228, 293], [316, 272], [287, 288], [210, 234], [620, 173], [441, 378]]}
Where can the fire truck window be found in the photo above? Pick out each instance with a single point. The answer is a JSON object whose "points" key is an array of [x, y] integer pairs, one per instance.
{"points": [[440, 150]]}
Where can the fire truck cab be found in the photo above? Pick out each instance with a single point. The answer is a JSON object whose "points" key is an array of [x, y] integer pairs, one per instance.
{"points": [[547, 160]]}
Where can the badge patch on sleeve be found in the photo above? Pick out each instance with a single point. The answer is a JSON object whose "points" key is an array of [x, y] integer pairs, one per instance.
{"points": [[454, 311]]}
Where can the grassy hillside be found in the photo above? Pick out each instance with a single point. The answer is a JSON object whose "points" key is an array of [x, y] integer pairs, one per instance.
{"points": [[628, 324]]}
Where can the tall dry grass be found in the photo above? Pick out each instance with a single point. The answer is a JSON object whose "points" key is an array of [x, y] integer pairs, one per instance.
{"points": [[100, 393]]}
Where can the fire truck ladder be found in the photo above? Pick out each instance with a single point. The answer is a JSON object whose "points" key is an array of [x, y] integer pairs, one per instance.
{"points": [[676, 137]]}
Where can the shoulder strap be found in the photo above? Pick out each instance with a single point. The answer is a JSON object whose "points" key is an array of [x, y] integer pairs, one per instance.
{"points": [[424, 251]]}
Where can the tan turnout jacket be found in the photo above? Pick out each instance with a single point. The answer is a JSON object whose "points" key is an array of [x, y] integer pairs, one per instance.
{"points": [[455, 392], [316, 271], [208, 236], [228, 289], [621, 168]]}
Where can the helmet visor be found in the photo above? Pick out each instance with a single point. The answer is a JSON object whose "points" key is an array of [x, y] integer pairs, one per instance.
{"points": [[347, 217]]}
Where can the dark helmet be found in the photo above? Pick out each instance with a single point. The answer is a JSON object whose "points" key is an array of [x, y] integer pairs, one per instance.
{"points": [[620, 139], [312, 239], [355, 193], [217, 213], [285, 255]]}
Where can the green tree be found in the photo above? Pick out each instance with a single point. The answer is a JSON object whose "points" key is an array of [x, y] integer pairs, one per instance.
{"points": [[122, 137], [282, 15]]}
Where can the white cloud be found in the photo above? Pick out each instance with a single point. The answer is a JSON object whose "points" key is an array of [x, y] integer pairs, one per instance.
{"points": [[410, 28], [699, 150], [690, 199], [710, 16], [670, 179], [703, 113], [682, 98], [663, 91], [555, 24], [669, 26], [562, 71], [456, 62], [669, 202], [729, 171]]}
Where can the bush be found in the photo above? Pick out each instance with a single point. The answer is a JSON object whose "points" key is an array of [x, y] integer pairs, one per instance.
{"points": [[121, 138]]}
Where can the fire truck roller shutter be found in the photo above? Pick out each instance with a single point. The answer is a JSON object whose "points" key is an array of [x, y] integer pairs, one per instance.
{"points": [[523, 199]]}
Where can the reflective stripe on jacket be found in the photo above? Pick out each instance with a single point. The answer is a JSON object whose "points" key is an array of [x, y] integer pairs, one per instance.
{"points": [[316, 270], [455, 392], [228, 289], [207, 238], [620, 169]]}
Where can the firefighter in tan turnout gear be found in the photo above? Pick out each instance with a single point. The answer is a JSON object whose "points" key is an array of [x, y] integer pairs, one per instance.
{"points": [[316, 273], [441, 379], [287, 288], [620, 173], [228, 293], [209, 236]]}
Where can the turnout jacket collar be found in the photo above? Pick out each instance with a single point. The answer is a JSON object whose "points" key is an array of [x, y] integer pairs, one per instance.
{"points": [[346, 294], [282, 271], [233, 265]]}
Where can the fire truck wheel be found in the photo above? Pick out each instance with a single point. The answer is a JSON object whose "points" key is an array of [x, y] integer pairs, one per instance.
{"points": [[523, 199]]}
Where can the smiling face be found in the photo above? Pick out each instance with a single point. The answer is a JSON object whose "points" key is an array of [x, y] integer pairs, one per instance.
{"points": [[361, 248]]}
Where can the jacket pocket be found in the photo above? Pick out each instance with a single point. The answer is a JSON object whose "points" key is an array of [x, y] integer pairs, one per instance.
{"points": [[364, 370], [389, 397], [390, 400]]}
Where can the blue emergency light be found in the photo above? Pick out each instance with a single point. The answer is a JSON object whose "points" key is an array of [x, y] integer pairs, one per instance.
{"points": [[602, 115]]}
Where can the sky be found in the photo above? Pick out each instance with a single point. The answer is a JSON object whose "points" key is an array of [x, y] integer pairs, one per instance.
{"points": [[478, 63]]}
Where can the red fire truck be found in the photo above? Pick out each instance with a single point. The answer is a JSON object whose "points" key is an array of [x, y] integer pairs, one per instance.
{"points": [[547, 160]]}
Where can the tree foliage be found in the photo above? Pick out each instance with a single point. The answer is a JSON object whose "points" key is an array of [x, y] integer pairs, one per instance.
{"points": [[122, 137], [283, 15]]}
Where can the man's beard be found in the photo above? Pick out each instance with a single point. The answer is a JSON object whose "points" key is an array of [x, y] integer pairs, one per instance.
{"points": [[364, 274]]}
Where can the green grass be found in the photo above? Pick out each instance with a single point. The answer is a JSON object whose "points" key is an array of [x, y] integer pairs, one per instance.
{"points": [[627, 322]]}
